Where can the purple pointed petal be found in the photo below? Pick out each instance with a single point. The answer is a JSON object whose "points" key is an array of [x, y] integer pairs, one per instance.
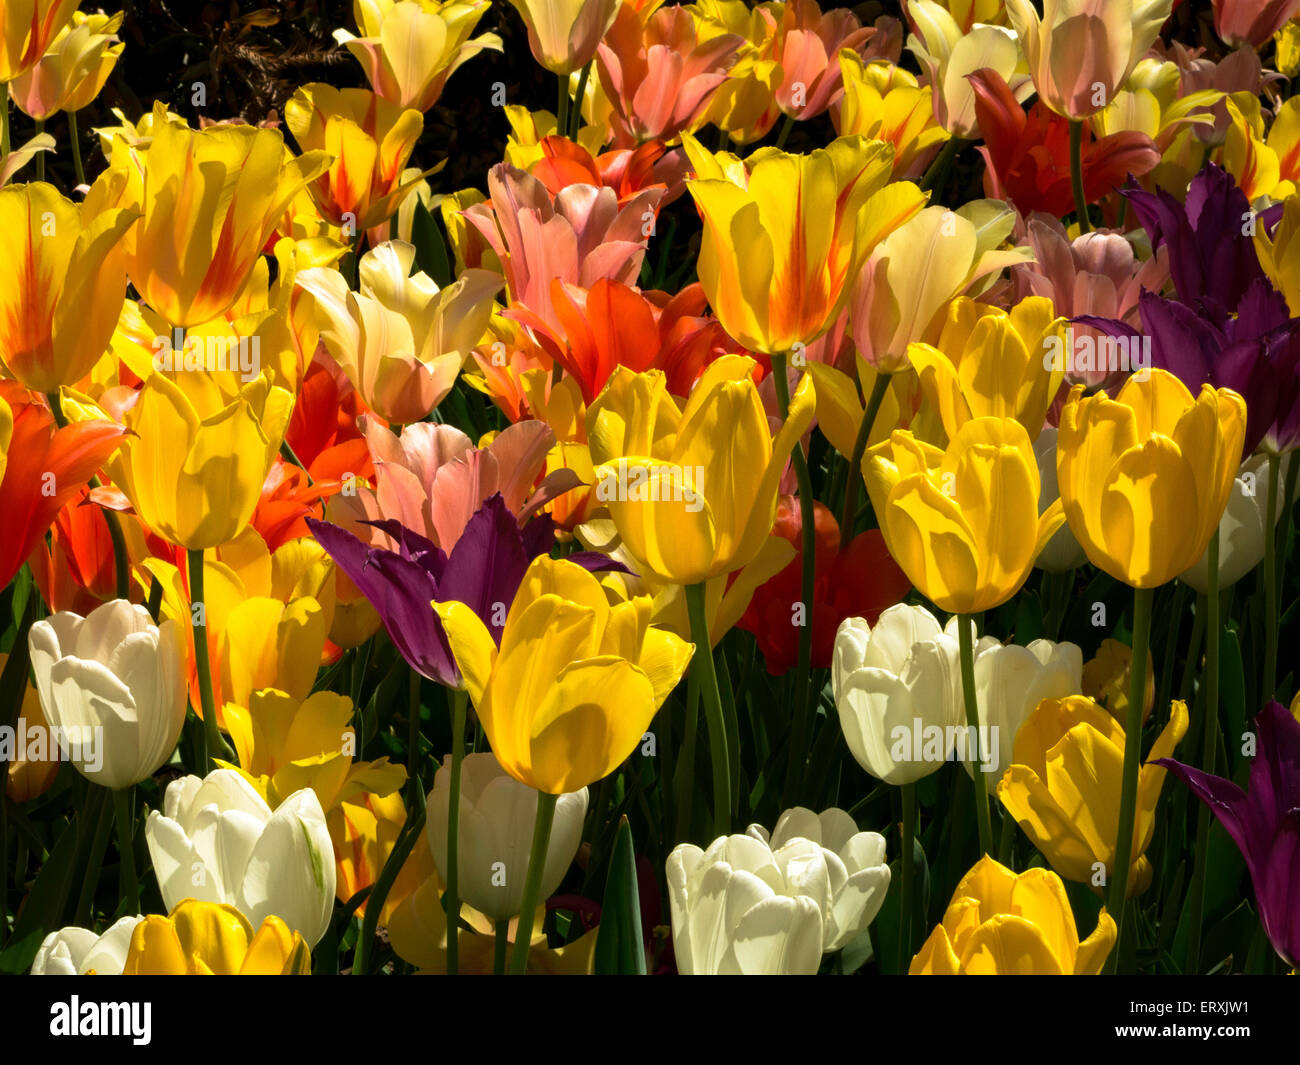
{"points": [[487, 564]]}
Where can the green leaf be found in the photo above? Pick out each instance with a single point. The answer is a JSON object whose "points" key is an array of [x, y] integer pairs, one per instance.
{"points": [[1232, 692], [430, 245], [619, 949], [43, 911]]}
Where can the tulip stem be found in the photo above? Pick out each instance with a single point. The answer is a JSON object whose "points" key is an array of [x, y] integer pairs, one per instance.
{"points": [[4, 121], [40, 156], [849, 512], [575, 116], [451, 897], [125, 845], [562, 106], [411, 831], [500, 942], [905, 869], [1209, 734], [707, 678], [1076, 175], [783, 135], [533, 885], [75, 137], [802, 680], [1118, 888], [940, 165], [966, 643], [214, 745], [1270, 579]]}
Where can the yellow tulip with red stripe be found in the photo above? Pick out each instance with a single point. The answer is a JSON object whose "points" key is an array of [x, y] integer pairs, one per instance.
{"points": [[26, 29]]}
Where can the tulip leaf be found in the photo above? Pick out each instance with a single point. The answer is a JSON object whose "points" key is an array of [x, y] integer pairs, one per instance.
{"points": [[619, 947], [430, 245], [44, 908], [1232, 692]]}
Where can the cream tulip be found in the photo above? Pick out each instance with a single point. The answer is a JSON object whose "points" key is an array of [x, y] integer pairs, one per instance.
{"points": [[1241, 529], [496, 834], [112, 686], [74, 951], [218, 841]]}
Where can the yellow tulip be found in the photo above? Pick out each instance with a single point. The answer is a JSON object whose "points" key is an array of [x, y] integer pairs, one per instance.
{"points": [[575, 683], [364, 831], [210, 939], [962, 523], [886, 103], [61, 283], [1064, 783], [1279, 254], [410, 48], [693, 490], [1145, 477], [990, 363], [563, 34], [26, 29], [71, 73], [210, 199], [1263, 166], [1001, 923], [783, 241]]}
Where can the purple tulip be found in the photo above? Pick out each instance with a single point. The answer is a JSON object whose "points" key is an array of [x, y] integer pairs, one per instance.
{"points": [[1264, 822], [484, 569]]}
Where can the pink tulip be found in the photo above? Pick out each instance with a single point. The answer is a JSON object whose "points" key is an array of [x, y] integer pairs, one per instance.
{"points": [[1252, 22], [810, 42]]}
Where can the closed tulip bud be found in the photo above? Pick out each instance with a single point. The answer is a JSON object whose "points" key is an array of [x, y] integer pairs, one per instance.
{"points": [[61, 288], [898, 692], [1002, 923], [962, 523], [740, 909], [1063, 551], [76, 951], [1068, 757], [564, 34], [1145, 477], [1010, 681], [845, 871], [207, 939], [26, 29], [218, 841], [113, 685], [496, 834], [692, 489], [1241, 531], [69, 76]]}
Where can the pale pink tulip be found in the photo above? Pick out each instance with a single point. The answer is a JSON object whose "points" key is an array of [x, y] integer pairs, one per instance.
{"points": [[1252, 22], [809, 49]]}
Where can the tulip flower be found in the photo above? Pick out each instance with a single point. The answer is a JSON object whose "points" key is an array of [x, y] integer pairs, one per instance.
{"points": [[897, 689], [1081, 53], [564, 34], [1010, 681], [1251, 22], [400, 340], [784, 236], [218, 841], [885, 102], [1145, 477], [496, 819], [26, 29], [208, 201], [31, 767], [962, 523], [1277, 248], [808, 44], [76, 951], [71, 73], [1068, 757], [114, 682], [1262, 822], [575, 682], [692, 489], [991, 363], [1002, 923], [1108, 677], [370, 140], [208, 939], [41, 469], [364, 831], [410, 48], [61, 291], [75, 570], [846, 873], [739, 908], [1063, 551], [1242, 530]]}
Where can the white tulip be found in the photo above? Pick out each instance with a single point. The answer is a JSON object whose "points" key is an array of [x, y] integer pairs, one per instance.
{"points": [[898, 691], [1241, 529], [496, 834], [856, 878], [218, 841], [1063, 551], [74, 951], [1010, 681], [740, 909], [112, 686]]}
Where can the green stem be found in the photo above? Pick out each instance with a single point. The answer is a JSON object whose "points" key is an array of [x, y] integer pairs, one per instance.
{"points": [[707, 679], [1006, 839], [575, 116], [40, 156], [562, 106], [966, 642], [533, 885], [1076, 175], [451, 897], [849, 511], [1270, 579], [1209, 734], [905, 868], [75, 137], [81, 917], [939, 166], [4, 121], [125, 838], [1118, 888], [783, 135], [499, 944], [215, 746], [379, 893]]}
